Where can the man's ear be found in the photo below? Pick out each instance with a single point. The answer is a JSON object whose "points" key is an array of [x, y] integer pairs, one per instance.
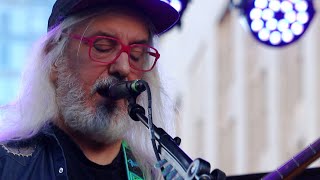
{"points": [[49, 46], [53, 74]]}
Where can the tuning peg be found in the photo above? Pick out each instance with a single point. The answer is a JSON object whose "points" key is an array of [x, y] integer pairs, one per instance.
{"points": [[177, 140]]}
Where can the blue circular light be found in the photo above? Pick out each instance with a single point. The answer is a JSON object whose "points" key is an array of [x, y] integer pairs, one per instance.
{"points": [[261, 4], [287, 36], [275, 5], [176, 4], [297, 28], [275, 37], [257, 25], [283, 25], [256, 13], [290, 16], [286, 6], [278, 22], [267, 14], [301, 6], [264, 34], [272, 24], [303, 17]]}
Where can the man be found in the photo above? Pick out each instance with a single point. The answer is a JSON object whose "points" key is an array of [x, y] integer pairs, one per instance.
{"points": [[60, 127]]}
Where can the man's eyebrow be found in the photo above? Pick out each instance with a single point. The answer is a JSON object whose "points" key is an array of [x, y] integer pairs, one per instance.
{"points": [[140, 42], [102, 33]]}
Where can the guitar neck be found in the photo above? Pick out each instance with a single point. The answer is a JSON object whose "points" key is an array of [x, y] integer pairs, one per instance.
{"points": [[297, 163]]}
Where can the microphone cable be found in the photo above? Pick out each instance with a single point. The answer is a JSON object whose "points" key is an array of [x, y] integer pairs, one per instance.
{"points": [[150, 121]]}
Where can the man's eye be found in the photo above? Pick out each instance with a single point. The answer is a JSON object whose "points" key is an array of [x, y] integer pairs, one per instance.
{"points": [[136, 55], [134, 58], [105, 45], [104, 48]]}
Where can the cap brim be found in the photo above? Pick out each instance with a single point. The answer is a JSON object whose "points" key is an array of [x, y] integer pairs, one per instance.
{"points": [[161, 14]]}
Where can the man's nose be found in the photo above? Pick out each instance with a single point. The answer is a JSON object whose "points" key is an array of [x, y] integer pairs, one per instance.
{"points": [[121, 65]]}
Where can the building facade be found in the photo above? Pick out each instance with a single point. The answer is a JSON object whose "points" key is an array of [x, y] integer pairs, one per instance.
{"points": [[245, 107]]}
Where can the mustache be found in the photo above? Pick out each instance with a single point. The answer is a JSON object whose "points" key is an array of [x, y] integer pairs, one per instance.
{"points": [[104, 83]]}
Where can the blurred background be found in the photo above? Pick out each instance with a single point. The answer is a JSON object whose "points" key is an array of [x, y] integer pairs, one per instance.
{"points": [[244, 106], [22, 22]]}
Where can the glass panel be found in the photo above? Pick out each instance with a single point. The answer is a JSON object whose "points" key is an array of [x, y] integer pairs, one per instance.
{"points": [[18, 20], [39, 19], [21, 22], [8, 88], [17, 55], [2, 56]]}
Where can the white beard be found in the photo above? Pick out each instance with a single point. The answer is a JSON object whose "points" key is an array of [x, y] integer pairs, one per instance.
{"points": [[105, 123]]}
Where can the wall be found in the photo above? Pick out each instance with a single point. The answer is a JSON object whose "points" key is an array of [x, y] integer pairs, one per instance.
{"points": [[245, 107]]}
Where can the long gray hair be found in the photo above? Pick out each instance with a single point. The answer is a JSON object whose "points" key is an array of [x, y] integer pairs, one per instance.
{"points": [[36, 104]]}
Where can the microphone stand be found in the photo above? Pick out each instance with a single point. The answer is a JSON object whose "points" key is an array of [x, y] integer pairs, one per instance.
{"points": [[169, 150]]}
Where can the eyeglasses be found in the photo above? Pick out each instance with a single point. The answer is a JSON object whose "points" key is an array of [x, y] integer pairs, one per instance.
{"points": [[106, 50]]}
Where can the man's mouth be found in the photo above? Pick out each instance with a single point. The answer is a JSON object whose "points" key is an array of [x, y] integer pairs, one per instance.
{"points": [[102, 87]]}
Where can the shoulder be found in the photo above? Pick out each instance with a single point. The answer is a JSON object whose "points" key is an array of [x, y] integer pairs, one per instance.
{"points": [[21, 158], [16, 156], [21, 148], [26, 147]]}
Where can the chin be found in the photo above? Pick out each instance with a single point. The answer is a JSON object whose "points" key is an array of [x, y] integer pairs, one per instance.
{"points": [[106, 123]]}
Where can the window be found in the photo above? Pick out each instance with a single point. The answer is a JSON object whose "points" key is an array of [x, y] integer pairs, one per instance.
{"points": [[21, 22]]}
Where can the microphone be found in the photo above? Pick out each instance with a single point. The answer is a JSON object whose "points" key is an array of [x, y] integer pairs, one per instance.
{"points": [[124, 89]]}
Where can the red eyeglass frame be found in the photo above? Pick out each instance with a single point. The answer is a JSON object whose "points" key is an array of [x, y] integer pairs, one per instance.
{"points": [[124, 48]]}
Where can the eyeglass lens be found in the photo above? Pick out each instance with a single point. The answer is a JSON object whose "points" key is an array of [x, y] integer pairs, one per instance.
{"points": [[106, 50]]}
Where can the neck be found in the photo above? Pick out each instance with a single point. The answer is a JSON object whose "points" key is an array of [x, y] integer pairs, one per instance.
{"points": [[97, 152]]}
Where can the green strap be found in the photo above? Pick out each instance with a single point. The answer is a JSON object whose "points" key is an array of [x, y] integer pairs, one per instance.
{"points": [[133, 170]]}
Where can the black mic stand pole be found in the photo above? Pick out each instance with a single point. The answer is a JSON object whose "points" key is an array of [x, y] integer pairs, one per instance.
{"points": [[170, 150]]}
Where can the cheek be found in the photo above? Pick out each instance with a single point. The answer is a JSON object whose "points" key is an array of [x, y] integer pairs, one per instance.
{"points": [[139, 74], [81, 63], [89, 72]]}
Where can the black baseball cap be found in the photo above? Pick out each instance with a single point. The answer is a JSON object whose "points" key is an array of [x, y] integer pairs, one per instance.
{"points": [[162, 15]]}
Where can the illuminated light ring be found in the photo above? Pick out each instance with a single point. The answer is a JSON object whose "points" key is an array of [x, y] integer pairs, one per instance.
{"points": [[176, 4], [278, 22]]}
